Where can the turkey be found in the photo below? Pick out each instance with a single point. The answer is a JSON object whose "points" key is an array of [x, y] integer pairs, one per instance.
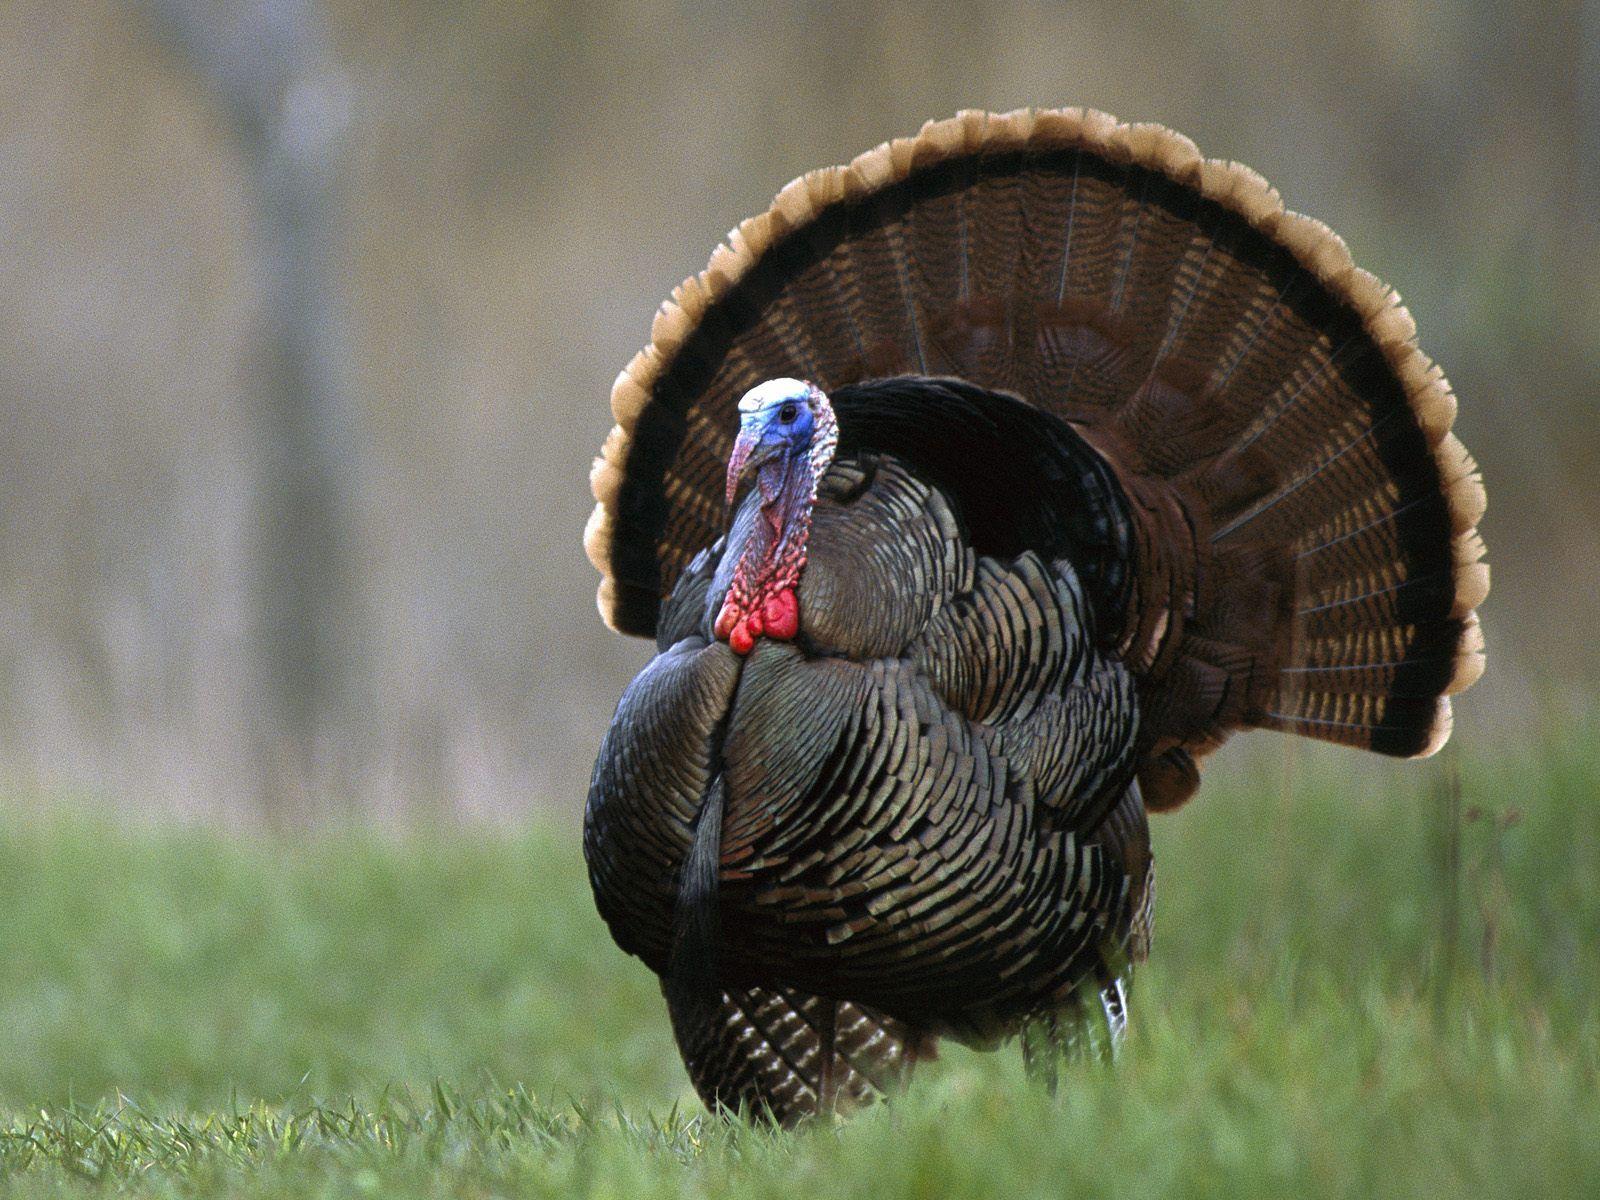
{"points": [[974, 494]]}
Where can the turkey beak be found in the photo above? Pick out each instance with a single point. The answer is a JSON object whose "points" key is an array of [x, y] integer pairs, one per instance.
{"points": [[749, 453]]}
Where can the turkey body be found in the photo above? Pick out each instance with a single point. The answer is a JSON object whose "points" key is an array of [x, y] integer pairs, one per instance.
{"points": [[916, 787], [1073, 455]]}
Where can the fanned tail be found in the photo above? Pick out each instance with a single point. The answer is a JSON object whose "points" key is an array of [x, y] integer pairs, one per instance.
{"points": [[1300, 518]]}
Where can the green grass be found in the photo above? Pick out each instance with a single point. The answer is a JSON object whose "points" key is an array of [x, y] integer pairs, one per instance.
{"points": [[186, 1012]]}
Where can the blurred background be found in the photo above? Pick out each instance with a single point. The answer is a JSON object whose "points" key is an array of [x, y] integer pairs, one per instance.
{"points": [[309, 312]]}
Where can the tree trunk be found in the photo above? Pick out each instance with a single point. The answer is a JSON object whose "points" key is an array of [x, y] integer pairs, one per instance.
{"points": [[270, 65]]}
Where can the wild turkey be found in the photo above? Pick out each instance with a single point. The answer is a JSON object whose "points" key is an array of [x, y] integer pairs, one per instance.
{"points": [[1062, 454]]}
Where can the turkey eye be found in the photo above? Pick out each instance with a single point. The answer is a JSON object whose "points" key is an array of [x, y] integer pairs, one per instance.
{"points": [[788, 413]]}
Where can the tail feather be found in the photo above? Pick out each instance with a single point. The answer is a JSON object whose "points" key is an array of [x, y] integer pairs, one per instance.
{"points": [[789, 1055], [1305, 543]]}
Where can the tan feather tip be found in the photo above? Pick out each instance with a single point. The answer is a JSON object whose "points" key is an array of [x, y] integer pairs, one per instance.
{"points": [[605, 599], [644, 366], [794, 202], [1453, 460], [825, 186], [937, 141], [902, 156], [1369, 296], [1467, 500], [597, 540], [973, 124], [628, 395], [874, 168], [1241, 190], [1059, 126], [1164, 149], [852, 185], [1318, 248], [756, 234], [615, 448], [728, 264], [1472, 588], [1432, 401], [1013, 130], [1391, 323], [1462, 485], [1468, 548], [605, 481], [1470, 660], [693, 297], [1469, 669], [670, 327], [1439, 731], [1096, 127]]}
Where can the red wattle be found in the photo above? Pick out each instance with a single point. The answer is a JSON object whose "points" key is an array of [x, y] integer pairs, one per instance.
{"points": [[778, 616], [781, 615], [727, 618]]}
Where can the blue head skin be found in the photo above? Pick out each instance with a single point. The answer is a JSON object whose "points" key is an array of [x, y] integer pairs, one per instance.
{"points": [[776, 427]]}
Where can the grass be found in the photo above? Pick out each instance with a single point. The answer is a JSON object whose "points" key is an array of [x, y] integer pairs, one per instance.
{"points": [[1333, 1010]]}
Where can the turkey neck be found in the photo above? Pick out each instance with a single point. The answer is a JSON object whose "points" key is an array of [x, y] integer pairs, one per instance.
{"points": [[761, 599]]}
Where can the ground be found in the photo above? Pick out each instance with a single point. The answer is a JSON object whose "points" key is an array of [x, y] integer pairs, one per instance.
{"points": [[1345, 1000]]}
